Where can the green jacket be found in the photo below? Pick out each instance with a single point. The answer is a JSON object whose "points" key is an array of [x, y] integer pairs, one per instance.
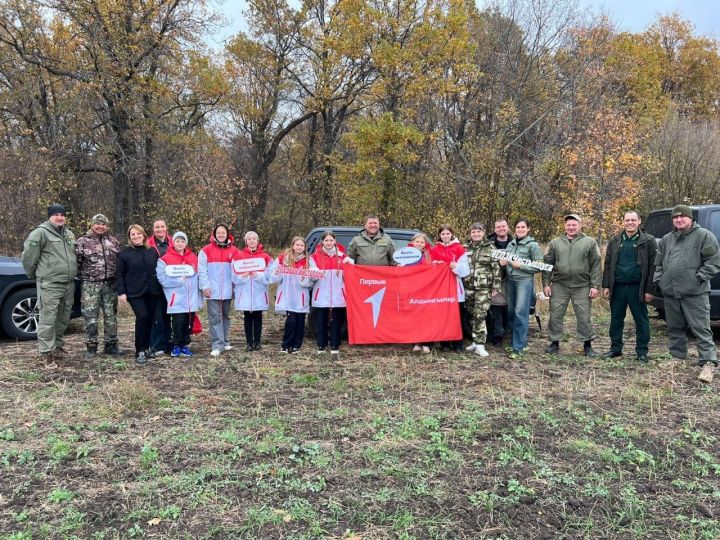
{"points": [[377, 251], [575, 264], [525, 248], [484, 270], [686, 262], [49, 255]]}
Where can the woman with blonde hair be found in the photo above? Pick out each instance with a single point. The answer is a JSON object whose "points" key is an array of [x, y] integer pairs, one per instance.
{"points": [[137, 284]]}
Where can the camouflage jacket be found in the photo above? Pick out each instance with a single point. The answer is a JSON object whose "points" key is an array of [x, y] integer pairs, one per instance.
{"points": [[97, 256], [484, 271]]}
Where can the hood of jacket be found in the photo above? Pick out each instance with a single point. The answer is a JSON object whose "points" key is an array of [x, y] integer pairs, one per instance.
{"points": [[228, 242], [448, 253], [173, 257]]}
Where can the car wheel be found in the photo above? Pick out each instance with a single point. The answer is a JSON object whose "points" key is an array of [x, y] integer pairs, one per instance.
{"points": [[19, 315]]}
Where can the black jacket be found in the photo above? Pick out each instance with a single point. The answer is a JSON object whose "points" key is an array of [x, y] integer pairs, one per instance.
{"points": [[645, 256], [136, 272]]}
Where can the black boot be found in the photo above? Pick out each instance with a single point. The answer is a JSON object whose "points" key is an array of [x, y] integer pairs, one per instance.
{"points": [[112, 350], [588, 350], [553, 348], [91, 352]]}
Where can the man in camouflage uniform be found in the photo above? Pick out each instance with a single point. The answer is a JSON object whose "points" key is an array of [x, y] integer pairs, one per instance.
{"points": [[49, 258], [97, 254], [481, 285]]}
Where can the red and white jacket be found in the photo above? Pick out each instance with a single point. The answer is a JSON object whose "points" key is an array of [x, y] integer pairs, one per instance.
{"points": [[215, 268], [251, 288], [293, 292], [182, 293], [453, 252], [328, 291]]}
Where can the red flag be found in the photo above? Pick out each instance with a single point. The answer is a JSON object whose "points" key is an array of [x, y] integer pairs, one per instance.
{"points": [[391, 304]]}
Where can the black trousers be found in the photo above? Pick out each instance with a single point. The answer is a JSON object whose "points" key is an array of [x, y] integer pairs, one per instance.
{"points": [[328, 321], [252, 320], [144, 309], [181, 324], [497, 323], [294, 330], [160, 333]]}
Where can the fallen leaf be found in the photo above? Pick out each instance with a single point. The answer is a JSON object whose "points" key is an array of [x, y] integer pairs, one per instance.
{"points": [[154, 521]]}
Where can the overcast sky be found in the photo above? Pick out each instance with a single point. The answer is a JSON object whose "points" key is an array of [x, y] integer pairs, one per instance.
{"points": [[631, 15]]}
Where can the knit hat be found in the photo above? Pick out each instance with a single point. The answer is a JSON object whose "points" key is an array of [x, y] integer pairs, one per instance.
{"points": [[573, 216], [682, 210], [180, 234], [56, 209], [100, 219]]}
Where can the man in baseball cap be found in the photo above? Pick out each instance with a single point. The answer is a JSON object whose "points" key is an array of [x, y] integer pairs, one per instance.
{"points": [[575, 278], [686, 261], [97, 254]]}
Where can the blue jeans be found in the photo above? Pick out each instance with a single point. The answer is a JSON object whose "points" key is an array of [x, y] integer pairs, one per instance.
{"points": [[519, 296]]}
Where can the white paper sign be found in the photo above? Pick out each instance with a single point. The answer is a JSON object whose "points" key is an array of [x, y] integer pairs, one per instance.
{"points": [[243, 266], [499, 254], [407, 256], [179, 270]]}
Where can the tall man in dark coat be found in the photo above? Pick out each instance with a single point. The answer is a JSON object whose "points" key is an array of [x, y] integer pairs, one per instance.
{"points": [[627, 281]]}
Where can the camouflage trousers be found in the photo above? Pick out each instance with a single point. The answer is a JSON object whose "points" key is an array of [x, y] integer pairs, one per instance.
{"points": [[477, 303], [97, 296]]}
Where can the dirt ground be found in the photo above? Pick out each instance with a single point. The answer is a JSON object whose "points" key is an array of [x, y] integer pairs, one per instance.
{"points": [[381, 443]]}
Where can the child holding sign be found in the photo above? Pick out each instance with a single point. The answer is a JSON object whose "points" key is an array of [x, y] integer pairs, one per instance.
{"points": [[177, 273], [328, 294], [250, 277], [290, 271]]}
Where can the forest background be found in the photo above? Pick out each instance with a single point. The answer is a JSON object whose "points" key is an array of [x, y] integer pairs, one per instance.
{"points": [[424, 111]]}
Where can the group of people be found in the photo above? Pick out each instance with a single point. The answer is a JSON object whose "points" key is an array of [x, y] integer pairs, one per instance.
{"points": [[165, 283]]}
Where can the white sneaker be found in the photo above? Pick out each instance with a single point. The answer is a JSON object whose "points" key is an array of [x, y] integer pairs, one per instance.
{"points": [[480, 350], [334, 352], [215, 352], [417, 348], [228, 348], [426, 349], [471, 347]]}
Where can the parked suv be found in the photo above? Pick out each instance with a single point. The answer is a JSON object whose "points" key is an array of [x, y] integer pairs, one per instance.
{"points": [[18, 301], [659, 223]]}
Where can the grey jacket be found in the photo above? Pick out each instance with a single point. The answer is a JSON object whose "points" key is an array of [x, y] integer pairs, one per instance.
{"points": [[686, 262]]}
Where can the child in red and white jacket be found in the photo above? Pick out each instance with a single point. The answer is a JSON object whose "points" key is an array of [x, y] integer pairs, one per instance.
{"points": [[215, 273], [448, 249], [420, 242], [293, 293], [328, 293], [251, 290], [181, 290]]}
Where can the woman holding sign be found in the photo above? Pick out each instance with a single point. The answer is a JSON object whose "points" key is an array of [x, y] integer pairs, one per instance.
{"points": [[215, 274], [177, 273], [520, 284], [251, 287], [292, 272], [449, 250], [137, 284], [328, 293]]}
